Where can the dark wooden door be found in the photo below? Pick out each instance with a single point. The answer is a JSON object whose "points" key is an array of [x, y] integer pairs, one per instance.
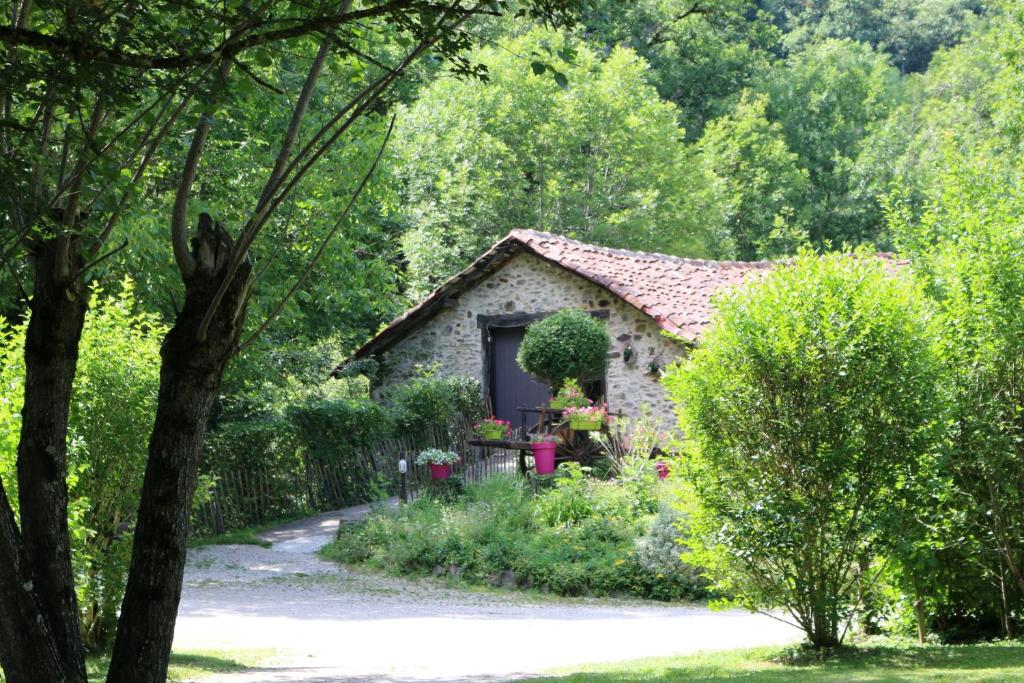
{"points": [[511, 388]]}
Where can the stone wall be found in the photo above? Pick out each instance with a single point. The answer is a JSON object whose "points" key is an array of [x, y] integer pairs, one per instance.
{"points": [[527, 284]]}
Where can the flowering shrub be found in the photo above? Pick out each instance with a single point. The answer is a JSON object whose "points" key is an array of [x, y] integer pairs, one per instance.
{"points": [[570, 396], [435, 456], [491, 426]]}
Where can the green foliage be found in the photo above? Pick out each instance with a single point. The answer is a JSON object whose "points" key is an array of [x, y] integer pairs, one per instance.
{"points": [[601, 160], [827, 99], [567, 345], [910, 31], [330, 428], [812, 408], [111, 415], [583, 537], [700, 59], [759, 184], [969, 250], [430, 399]]}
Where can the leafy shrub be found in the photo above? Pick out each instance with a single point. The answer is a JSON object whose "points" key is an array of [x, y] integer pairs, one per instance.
{"points": [[967, 249], [330, 429], [813, 409], [430, 400], [109, 424], [661, 553], [567, 345], [580, 537]]}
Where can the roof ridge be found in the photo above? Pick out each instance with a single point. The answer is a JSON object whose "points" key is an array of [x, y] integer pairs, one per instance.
{"points": [[519, 233]]}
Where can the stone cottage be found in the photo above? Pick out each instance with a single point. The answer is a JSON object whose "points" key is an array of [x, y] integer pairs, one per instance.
{"points": [[655, 307]]}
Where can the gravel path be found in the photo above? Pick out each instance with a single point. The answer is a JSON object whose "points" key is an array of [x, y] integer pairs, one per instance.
{"points": [[329, 623]]}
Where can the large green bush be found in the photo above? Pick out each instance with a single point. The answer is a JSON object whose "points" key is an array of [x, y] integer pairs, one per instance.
{"points": [[432, 400], [567, 345], [968, 248], [581, 537], [111, 415], [812, 409]]}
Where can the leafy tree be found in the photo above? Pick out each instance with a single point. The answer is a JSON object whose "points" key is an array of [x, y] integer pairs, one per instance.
{"points": [[827, 100], [601, 159], [967, 246], [759, 185], [702, 54], [965, 99], [92, 94], [910, 31], [811, 406], [567, 345]]}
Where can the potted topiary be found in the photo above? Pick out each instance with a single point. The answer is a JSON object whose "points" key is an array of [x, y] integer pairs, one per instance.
{"points": [[440, 462], [543, 447], [566, 345], [570, 396], [586, 419], [492, 429]]}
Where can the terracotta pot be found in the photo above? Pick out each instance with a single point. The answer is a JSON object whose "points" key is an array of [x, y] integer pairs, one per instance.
{"points": [[439, 471], [544, 456]]}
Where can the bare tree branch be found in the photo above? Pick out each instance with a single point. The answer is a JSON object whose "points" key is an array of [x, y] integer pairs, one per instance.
{"points": [[179, 215]]}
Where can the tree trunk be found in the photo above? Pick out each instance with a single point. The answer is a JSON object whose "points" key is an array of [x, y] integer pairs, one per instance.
{"points": [[190, 375], [28, 652], [51, 355]]}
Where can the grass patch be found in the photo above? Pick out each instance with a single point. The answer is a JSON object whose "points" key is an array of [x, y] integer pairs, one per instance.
{"points": [[191, 666], [881, 660]]}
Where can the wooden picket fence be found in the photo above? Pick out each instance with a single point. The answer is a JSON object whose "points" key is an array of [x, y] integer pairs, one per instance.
{"points": [[247, 497]]}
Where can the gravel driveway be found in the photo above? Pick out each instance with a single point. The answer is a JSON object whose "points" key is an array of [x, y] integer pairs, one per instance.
{"points": [[328, 623]]}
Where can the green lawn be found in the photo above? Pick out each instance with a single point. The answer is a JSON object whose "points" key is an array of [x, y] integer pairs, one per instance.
{"points": [[193, 666], [884, 660]]}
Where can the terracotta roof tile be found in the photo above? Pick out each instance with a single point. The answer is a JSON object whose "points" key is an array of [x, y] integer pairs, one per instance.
{"points": [[675, 291]]}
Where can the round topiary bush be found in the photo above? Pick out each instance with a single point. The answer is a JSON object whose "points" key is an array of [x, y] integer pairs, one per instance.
{"points": [[567, 345]]}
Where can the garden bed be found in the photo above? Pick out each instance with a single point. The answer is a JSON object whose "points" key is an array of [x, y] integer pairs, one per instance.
{"points": [[576, 536]]}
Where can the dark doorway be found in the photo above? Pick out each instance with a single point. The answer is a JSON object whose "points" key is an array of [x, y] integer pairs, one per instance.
{"points": [[510, 387]]}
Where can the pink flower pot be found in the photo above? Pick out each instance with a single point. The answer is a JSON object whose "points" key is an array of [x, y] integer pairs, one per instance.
{"points": [[544, 456], [440, 471], [662, 468]]}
